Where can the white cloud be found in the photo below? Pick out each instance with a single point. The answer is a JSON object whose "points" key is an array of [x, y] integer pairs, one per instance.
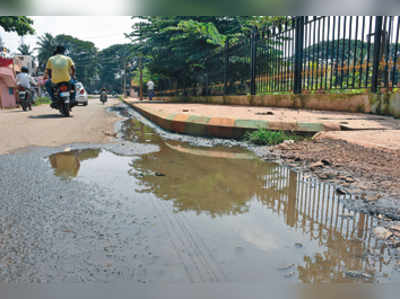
{"points": [[103, 31], [81, 7]]}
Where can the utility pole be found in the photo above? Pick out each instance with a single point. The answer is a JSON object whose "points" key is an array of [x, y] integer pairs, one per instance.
{"points": [[141, 77]]}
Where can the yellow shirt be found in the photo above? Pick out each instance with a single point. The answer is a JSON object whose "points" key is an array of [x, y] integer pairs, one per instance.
{"points": [[60, 67]]}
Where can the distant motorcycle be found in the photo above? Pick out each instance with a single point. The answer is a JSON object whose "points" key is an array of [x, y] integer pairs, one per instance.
{"points": [[103, 97], [62, 98], [24, 98]]}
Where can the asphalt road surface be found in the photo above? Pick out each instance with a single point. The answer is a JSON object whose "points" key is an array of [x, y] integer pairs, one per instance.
{"points": [[46, 127]]}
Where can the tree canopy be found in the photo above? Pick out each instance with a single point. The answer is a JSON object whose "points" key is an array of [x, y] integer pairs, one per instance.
{"points": [[178, 47], [83, 53], [25, 49], [20, 25], [112, 62]]}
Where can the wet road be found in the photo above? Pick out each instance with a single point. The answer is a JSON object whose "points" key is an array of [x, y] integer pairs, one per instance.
{"points": [[152, 208]]}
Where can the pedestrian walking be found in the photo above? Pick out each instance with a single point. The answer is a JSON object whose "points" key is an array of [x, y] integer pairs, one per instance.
{"points": [[150, 89]]}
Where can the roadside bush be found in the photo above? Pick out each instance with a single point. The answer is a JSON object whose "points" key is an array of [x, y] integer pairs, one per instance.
{"points": [[265, 137], [41, 101]]}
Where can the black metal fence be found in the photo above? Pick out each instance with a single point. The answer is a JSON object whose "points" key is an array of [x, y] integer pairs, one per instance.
{"points": [[304, 54]]}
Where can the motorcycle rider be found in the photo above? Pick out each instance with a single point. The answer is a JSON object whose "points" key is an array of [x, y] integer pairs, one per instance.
{"points": [[103, 95], [26, 81], [60, 68]]}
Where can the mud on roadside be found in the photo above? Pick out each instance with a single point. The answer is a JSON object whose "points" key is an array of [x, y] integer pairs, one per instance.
{"points": [[371, 175]]}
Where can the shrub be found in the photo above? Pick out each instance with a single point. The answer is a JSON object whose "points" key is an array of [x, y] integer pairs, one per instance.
{"points": [[265, 137], [41, 101]]}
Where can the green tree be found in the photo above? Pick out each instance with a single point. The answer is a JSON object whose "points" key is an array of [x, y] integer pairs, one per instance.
{"points": [[84, 55], [25, 49], [45, 46], [21, 25], [112, 61], [337, 51], [184, 49]]}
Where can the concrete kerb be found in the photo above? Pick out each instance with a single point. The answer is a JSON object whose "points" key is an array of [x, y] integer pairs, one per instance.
{"points": [[224, 127]]}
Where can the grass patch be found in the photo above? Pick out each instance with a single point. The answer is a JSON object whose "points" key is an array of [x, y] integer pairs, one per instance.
{"points": [[265, 137], [41, 101]]}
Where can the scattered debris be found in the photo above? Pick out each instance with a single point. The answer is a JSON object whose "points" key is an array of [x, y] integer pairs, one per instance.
{"points": [[349, 180], [285, 268], [395, 227], [315, 165], [347, 215], [110, 134], [326, 162], [382, 233], [323, 176], [264, 113], [370, 197], [395, 243], [340, 191], [358, 275], [289, 275], [298, 245]]}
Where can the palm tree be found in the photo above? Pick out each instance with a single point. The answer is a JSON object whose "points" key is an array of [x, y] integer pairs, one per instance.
{"points": [[46, 47], [25, 49]]}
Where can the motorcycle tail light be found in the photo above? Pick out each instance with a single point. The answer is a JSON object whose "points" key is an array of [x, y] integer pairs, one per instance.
{"points": [[63, 88]]}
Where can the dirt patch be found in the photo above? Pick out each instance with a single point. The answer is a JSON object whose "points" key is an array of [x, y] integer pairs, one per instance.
{"points": [[360, 170]]}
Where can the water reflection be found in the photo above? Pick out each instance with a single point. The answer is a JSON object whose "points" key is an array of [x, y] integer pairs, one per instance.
{"points": [[221, 187], [219, 183], [67, 164], [200, 183]]}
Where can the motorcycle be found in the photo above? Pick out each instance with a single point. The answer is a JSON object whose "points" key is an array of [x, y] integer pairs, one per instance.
{"points": [[62, 98], [103, 97], [24, 98]]}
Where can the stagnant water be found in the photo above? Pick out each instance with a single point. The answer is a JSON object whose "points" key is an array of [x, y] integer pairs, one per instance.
{"points": [[225, 215]]}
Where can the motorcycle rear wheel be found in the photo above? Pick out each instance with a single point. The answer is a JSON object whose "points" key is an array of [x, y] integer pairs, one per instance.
{"points": [[65, 109]]}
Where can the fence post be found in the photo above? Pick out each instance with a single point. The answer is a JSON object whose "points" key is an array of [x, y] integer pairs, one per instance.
{"points": [[253, 62], [377, 50], [298, 58], [226, 62]]}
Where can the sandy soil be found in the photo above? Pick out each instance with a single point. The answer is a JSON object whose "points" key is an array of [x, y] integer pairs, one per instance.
{"points": [[45, 127]]}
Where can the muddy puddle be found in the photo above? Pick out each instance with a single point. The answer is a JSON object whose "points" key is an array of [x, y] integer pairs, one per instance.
{"points": [[222, 215]]}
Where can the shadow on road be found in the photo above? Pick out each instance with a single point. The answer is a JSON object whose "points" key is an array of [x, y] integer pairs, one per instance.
{"points": [[15, 111], [47, 116]]}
